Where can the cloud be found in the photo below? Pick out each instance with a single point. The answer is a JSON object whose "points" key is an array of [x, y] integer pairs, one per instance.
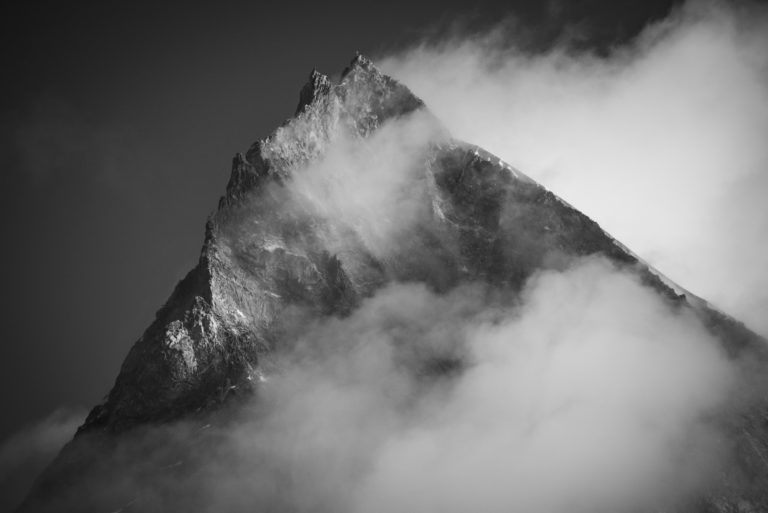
{"points": [[592, 392], [592, 395], [373, 187], [661, 142], [589, 393]]}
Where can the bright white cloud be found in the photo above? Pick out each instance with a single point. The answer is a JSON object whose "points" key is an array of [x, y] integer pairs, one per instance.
{"points": [[662, 142]]}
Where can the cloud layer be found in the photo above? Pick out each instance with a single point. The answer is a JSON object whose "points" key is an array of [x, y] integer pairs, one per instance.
{"points": [[590, 394], [662, 142]]}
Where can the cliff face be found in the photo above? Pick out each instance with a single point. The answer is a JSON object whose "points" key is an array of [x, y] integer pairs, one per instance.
{"points": [[272, 247]]}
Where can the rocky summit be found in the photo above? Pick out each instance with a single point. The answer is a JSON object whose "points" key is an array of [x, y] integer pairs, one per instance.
{"points": [[284, 240]]}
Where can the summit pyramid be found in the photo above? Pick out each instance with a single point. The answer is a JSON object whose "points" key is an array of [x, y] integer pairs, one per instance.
{"points": [[361, 189]]}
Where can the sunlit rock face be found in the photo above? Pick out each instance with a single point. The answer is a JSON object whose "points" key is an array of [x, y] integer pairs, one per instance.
{"points": [[363, 187]]}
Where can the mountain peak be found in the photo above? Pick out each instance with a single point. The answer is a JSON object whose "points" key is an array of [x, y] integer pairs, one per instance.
{"points": [[317, 85], [360, 101], [237, 291], [359, 61], [277, 245]]}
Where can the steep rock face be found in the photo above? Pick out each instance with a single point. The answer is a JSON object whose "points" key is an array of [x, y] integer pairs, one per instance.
{"points": [[205, 343], [468, 216]]}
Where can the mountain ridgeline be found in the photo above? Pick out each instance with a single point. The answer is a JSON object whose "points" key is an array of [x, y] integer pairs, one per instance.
{"points": [[281, 249]]}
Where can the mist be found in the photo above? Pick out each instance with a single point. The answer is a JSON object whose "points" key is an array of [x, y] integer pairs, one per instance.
{"points": [[662, 142], [588, 394], [372, 187]]}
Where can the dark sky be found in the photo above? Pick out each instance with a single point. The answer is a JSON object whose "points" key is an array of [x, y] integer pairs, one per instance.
{"points": [[119, 120]]}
